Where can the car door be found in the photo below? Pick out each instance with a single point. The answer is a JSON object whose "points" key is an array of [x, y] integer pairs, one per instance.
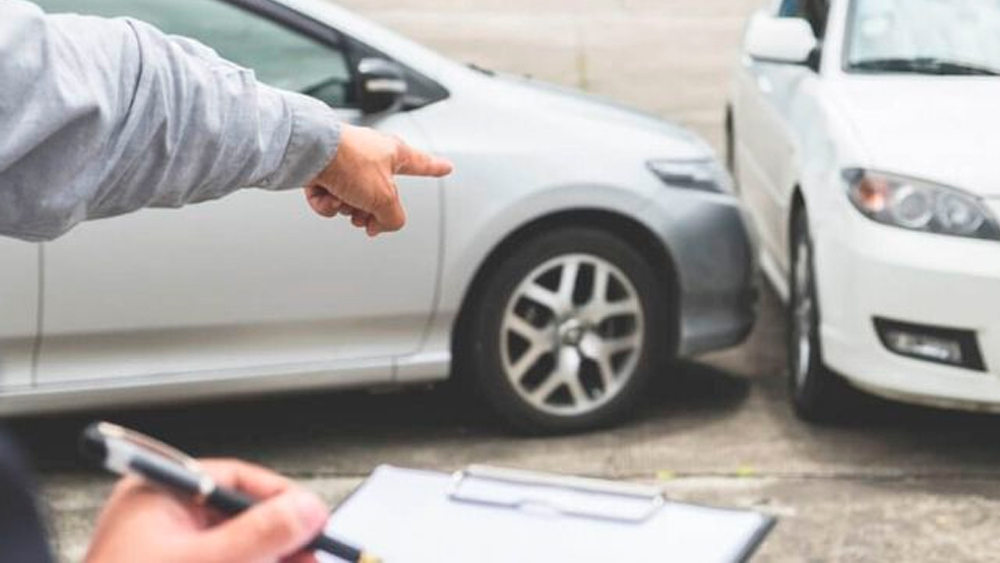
{"points": [[19, 282], [766, 143], [255, 279]]}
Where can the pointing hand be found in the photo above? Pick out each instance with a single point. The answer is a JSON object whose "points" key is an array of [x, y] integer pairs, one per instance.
{"points": [[359, 180]]}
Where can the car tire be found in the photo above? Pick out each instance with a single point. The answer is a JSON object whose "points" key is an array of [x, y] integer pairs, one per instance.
{"points": [[551, 353], [817, 394]]}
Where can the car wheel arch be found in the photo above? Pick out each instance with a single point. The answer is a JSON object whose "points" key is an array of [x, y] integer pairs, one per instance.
{"points": [[630, 229], [797, 205]]}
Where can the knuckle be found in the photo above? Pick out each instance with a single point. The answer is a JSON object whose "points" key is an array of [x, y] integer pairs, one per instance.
{"points": [[221, 467], [397, 222], [383, 199], [125, 486], [280, 524], [400, 148]]}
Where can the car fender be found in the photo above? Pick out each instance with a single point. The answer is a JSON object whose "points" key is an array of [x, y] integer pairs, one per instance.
{"points": [[464, 258]]}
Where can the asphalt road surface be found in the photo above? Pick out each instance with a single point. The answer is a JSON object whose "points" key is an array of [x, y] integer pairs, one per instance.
{"points": [[892, 483]]}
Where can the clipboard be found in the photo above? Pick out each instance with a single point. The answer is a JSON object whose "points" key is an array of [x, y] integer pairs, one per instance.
{"points": [[491, 515]]}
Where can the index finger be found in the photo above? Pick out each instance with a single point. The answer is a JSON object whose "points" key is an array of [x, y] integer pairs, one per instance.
{"points": [[412, 162], [251, 479]]}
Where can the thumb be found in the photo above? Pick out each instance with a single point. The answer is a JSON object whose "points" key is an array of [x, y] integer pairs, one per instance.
{"points": [[273, 529]]}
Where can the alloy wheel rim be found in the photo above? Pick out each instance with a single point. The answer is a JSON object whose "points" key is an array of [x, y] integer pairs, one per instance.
{"points": [[572, 334], [802, 313]]}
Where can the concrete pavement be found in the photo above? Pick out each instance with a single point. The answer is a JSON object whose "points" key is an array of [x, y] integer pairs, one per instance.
{"points": [[671, 58], [895, 483]]}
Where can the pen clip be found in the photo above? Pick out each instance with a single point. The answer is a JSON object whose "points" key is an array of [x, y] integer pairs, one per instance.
{"points": [[556, 495], [142, 441]]}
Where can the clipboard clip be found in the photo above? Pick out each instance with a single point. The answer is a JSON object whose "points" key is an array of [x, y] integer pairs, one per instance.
{"points": [[555, 495]]}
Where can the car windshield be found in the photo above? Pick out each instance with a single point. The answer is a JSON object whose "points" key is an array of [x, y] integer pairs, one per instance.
{"points": [[924, 36]]}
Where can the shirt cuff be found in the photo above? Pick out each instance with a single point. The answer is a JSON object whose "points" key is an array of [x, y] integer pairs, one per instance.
{"points": [[312, 144]]}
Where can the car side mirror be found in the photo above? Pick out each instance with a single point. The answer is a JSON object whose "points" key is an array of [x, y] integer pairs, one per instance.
{"points": [[780, 40], [382, 85]]}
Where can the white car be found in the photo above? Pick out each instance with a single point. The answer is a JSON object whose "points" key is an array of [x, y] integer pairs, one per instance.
{"points": [[865, 135], [576, 245]]}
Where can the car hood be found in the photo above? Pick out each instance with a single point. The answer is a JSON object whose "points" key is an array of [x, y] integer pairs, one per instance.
{"points": [[945, 129], [622, 125]]}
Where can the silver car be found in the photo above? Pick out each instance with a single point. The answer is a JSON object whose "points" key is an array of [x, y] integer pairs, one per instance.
{"points": [[576, 246]]}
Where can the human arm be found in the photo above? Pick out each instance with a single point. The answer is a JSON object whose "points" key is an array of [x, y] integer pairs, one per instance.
{"points": [[103, 117]]}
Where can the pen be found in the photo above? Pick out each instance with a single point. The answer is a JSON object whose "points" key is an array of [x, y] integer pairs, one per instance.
{"points": [[123, 451]]}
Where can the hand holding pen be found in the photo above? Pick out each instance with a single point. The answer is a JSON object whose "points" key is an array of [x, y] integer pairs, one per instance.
{"points": [[143, 522]]}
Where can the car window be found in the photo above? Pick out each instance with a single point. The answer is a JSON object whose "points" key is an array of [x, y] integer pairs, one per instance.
{"points": [[792, 9], [817, 12], [278, 55]]}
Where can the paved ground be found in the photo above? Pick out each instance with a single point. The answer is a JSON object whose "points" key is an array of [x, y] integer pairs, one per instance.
{"points": [[897, 483], [668, 57]]}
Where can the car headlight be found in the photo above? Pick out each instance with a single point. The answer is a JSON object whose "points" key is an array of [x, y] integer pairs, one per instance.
{"points": [[919, 206], [699, 174]]}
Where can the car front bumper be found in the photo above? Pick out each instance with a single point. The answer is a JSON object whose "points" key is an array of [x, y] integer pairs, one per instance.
{"points": [[866, 270], [713, 256]]}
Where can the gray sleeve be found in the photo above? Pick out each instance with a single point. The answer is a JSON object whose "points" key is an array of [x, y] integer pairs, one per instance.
{"points": [[102, 117]]}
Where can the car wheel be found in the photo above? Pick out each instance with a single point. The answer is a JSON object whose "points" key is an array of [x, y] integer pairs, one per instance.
{"points": [[817, 394], [568, 331]]}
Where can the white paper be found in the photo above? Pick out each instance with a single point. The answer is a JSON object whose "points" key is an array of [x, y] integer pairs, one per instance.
{"points": [[405, 516]]}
